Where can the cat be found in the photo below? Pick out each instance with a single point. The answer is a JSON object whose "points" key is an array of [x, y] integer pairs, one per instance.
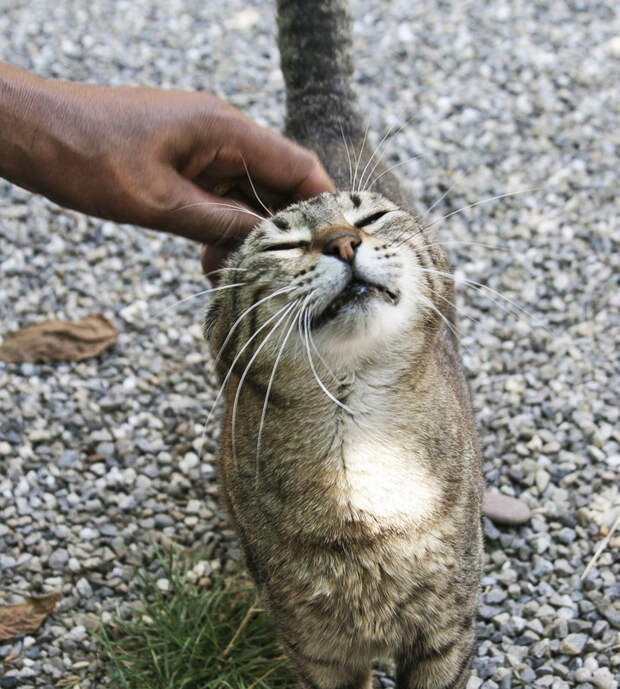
{"points": [[349, 459]]}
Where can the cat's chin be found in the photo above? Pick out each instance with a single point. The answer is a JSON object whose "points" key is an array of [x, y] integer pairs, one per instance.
{"points": [[358, 297], [362, 326]]}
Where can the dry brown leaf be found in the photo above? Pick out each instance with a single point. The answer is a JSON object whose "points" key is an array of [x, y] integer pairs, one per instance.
{"points": [[26, 617], [59, 341]]}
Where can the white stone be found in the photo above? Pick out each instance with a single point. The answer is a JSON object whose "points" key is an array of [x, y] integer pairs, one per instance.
{"points": [[603, 679], [163, 584]]}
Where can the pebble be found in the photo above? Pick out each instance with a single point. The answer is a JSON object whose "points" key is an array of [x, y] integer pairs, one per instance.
{"points": [[84, 588], [502, 509], [603, 679], [163, 584], [541, 543], [573, 644], [189, 462], [582, 674], [58, 559], [8, 682], [542, 480]]}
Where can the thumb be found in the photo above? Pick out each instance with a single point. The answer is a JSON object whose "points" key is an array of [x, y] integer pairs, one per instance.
{"points": [[212, 259]]}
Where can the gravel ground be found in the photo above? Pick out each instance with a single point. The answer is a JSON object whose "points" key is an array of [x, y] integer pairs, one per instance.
{"points": [[102, 459]]}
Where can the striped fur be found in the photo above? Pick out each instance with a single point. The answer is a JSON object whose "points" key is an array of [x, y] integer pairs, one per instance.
{"points": [[361, 526], [349, 459]]}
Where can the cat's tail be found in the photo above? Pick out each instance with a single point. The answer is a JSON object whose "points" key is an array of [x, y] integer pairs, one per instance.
{"points": [[316, 56]]}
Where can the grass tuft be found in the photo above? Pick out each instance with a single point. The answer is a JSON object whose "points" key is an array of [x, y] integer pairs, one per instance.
{"points": [[193, 638]]}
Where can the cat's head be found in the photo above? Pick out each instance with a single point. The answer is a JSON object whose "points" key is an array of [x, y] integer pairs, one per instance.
{"points": [[343, 276]]}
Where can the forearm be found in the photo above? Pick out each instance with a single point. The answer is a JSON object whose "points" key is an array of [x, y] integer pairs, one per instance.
{"points": [[24, 139], [55, 137]]}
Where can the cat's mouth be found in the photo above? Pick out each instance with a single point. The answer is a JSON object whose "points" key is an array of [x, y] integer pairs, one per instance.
{"points": [[356, 293]]}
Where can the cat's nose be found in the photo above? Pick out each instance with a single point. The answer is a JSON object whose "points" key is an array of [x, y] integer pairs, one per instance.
{"points": [[342, 246]]}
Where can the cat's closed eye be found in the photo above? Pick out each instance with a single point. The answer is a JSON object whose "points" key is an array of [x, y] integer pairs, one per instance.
{"points": [[284, 246], [369, 220]]}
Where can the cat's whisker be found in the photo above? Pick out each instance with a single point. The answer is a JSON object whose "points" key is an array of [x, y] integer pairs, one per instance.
{"points": [[390, 169], [321, 358], [294, 316], [195, 296], [455, 307], [437, 202], [459, 210], [289, 308], [258, 198], [232, 366], [311, 362], [458, 242], [372, 157], [381, 143], [451, 327], [223, 270], [226, 206], [359, 158], [346, 148], [282, 290], [480, 203], [473, 284]]}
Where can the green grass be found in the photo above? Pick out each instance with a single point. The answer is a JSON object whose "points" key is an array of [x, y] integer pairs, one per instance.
{"points": [[192, 638]]}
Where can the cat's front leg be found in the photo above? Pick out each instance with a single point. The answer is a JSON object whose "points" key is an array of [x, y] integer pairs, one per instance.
{"points": [[432, 666], [328, 669]]}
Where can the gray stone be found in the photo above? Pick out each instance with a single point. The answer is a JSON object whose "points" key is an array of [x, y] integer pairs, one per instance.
{"points": [[58, 559], [573, 644], [528, 675], [582, 674], [502, 509], [84, 588], [495, 596], [68, 458]]}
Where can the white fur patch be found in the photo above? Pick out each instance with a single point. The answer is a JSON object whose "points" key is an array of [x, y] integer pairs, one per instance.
{"points": [[381, 481]]}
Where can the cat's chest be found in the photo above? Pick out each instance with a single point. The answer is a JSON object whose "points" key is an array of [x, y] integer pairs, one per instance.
{"points": [[377, 479]]}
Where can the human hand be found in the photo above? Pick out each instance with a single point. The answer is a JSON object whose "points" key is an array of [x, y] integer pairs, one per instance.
{"points": [[169, 160]]}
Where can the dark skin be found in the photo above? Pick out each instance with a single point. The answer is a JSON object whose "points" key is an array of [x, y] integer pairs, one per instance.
{"points": [[166, 160]]}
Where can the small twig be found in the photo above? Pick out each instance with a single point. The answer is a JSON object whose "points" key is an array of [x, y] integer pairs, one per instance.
{"points": [[266, 674], [244, 621], [600, 549]]}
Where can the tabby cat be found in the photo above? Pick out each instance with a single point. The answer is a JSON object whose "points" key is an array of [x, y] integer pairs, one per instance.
{"points": [[349, 461]]}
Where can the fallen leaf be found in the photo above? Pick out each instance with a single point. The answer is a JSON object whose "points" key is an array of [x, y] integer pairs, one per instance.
{"points": [[26, 617], [59, 341]]}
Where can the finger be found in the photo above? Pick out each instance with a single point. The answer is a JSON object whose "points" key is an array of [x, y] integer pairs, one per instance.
{"points": [[277, 163], [193, 213], [316, 182]]}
